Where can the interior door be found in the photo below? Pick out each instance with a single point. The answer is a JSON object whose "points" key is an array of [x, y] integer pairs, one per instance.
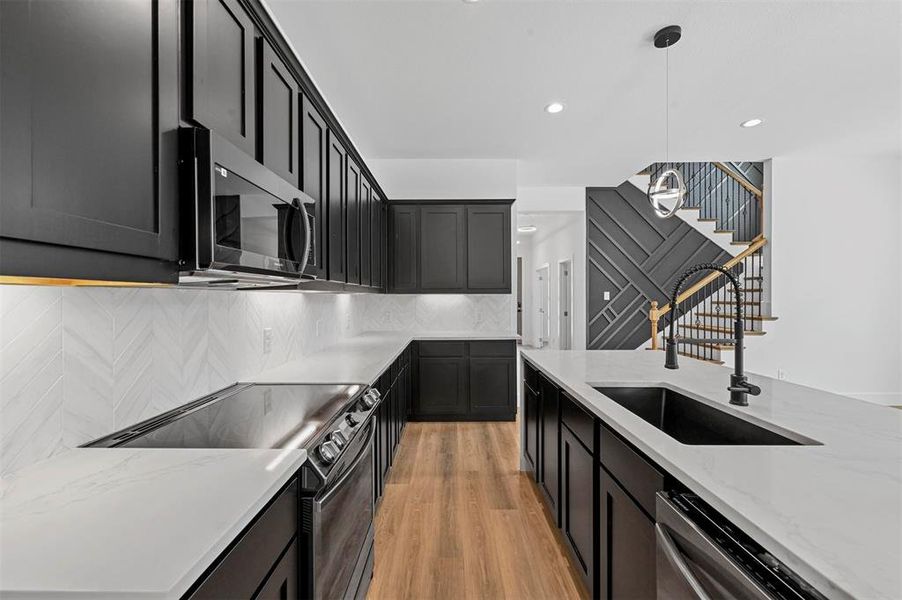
{"points": [[542, 305], [565, 305]]}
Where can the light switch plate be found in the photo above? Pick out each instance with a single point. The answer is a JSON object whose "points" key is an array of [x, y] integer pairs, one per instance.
{"points": [[607, 295]]}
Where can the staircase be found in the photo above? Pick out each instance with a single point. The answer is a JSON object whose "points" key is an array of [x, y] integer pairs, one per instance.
{"points": [[724, 194]]}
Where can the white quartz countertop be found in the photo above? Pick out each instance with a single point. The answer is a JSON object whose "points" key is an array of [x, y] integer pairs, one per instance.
{"points": [[146, 523], [129, 522], [362, 358], [831, 512]]}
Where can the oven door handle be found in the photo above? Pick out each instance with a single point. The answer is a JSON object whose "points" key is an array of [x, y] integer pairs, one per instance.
{"points": [[337, 485]]}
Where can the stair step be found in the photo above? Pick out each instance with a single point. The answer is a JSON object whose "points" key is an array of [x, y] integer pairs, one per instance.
{"points": [[723, 330], [723, 231], [730, 316], [750, 278], [744, 303], [752, 290]]}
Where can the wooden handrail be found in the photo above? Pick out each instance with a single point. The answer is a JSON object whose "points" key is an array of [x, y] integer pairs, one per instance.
{"points": [[748, 186], [655, 313]]}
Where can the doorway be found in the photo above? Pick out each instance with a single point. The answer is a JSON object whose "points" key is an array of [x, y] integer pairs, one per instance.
{"points": [[565, 304], [542, 302], [520, 298]]}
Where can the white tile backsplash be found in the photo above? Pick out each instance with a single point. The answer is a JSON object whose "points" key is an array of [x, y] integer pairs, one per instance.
{"points": [[78, 363]]}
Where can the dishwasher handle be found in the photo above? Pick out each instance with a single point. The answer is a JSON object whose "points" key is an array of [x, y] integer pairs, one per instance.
{"points": [[668, 549]]}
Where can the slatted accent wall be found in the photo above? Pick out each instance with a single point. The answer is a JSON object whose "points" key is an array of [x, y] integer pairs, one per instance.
{"points": [[637, 257]]}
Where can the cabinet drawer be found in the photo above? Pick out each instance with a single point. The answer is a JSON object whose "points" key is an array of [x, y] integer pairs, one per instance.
{"points": [[581, 423], [452, 349], [637, 475], [243, 567], [493, 348]]}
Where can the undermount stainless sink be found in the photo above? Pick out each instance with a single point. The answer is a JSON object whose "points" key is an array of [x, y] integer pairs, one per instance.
{"points": [[692, 422]]}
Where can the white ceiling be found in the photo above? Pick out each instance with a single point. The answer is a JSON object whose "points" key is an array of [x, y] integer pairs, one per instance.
{"points": [[449, 79]]}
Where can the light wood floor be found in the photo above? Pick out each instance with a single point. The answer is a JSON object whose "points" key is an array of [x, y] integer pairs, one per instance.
{"points": [[458, 520]]}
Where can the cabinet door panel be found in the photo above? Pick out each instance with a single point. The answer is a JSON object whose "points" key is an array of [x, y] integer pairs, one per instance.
{"points": [[531, 422], [492, 386], [442, 386], [627, 558], [314, 158], [442, 248], [549, 464], [353, 221], [223, 87], [280, 93], [377, 241], [366, 222], [88, 146], [282, 583], [337, 210], [578, 504], [404, 236], [489, 248]]}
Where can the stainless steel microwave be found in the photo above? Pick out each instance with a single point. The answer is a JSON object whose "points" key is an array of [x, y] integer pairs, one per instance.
{"points": [[242, 225]]}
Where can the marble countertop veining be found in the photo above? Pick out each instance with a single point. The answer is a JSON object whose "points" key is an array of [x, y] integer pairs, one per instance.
{"points": [[129, 522], [832, 512]]}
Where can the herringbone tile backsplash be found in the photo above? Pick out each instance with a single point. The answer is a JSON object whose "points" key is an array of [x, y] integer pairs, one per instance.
{"points": [[78, 363]]}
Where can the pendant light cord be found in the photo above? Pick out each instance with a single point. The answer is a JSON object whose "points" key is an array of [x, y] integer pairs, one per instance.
{"points": [[667, 104]]}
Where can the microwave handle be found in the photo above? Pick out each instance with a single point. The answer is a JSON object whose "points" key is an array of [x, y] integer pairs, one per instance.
{"points": [[305, 218]]}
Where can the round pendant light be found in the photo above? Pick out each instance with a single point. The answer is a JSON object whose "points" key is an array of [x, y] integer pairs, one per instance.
{"points": [[669, 186]]}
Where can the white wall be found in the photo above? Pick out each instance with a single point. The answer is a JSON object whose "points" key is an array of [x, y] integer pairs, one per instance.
{"points": [[837, 276], [561, 236], [448, 179], [544, 199]]}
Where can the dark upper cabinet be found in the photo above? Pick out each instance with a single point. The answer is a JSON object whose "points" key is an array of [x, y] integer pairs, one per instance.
{"points": [[489, 248], [352, 236], [442, 247], [314, 158], [403, 241], [460, 248], [493, 378], [549, 463], [277, 137], [578, 470], [88, 155], [337, 210], [627, 535], [223, 86], [378, 236], [366, 224]]}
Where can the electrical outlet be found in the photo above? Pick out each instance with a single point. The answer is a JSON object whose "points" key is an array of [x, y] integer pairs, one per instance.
{"points": [[781, 374], [607, 295], [267, 340]]}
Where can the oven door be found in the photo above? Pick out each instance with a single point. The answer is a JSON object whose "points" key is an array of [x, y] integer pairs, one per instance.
{"points": [[343, 528]]}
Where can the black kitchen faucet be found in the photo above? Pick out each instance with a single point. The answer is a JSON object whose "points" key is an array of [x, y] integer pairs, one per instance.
{"points": [[739, 387]]}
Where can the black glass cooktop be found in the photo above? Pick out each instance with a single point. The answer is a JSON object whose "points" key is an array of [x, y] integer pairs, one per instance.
{"points": [[255, 416]]}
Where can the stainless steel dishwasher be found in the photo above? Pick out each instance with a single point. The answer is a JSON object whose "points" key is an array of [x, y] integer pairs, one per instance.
{"points": [[702, 556]]}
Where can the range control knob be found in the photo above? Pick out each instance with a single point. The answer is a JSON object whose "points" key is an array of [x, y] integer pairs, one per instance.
{"points": [[352, 419], [338, 438], [328, 452], [368, 401]]}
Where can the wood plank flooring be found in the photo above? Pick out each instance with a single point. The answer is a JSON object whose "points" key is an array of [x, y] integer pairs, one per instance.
{"points": [[458, 520]]}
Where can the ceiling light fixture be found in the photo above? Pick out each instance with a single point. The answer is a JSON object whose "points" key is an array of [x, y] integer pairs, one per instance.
{"points": [[527, 229], [751, 123], [554, 108], [670, 185]]}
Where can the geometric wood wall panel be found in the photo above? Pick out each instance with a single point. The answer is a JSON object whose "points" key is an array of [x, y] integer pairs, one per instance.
{"points": [[637, 257]]}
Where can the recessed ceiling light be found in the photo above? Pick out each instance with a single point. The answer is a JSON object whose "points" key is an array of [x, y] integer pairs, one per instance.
{"points": [[527, 229], [751, 123], [554, 108]]}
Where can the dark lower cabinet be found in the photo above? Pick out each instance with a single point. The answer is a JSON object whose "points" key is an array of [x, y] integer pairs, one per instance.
{"points": [[88, 153], [465, 381], [627, 535], [391, 415], [578, 502], [549, 460], [532, 419], [261, 556]]}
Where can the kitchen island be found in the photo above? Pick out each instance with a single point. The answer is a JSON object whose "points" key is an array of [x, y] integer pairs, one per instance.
{"points": [[830, 507]]}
